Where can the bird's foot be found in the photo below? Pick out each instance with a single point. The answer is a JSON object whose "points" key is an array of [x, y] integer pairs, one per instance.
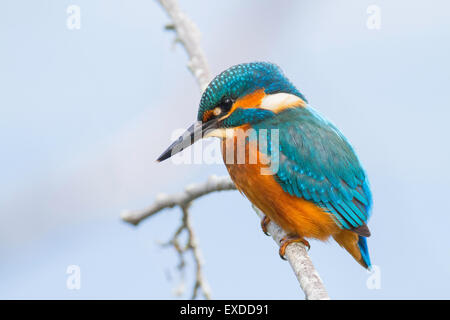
{"points": [[264, 222], [287, 241]]}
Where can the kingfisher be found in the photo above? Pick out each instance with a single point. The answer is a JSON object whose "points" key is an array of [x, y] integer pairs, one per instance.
{"points": [[297, 167]]}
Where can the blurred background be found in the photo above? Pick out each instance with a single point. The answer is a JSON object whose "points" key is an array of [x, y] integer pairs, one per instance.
{"points": [[84, 114]]}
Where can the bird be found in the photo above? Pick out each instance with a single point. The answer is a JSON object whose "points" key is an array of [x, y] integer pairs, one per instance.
{"points": [[294, 165]]}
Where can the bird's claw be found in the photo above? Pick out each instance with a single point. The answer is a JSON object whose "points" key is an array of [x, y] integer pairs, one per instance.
{"points": [[287, 241], [264, 222]]}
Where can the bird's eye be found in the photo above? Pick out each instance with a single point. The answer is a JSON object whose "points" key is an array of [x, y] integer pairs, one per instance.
{"points": [[226, 104]]}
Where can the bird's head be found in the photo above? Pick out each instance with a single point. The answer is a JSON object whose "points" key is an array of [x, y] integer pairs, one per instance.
{"points": [[241, 95]]}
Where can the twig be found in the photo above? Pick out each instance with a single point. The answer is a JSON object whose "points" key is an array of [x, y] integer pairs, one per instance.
{"points": [[200, 282], [190, 246], [190, 193], [189, 36]]}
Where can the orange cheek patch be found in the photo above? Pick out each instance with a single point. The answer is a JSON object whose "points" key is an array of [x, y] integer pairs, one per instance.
{"points": [[251, 100]]}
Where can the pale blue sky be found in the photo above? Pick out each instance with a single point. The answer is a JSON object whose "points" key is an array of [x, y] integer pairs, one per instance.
{"points": [[84, 114]]}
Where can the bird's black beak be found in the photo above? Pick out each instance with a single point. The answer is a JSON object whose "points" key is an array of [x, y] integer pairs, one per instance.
{"points": [[195, 132]]}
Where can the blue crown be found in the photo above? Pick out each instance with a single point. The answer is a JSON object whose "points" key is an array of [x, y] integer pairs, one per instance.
{"points": [[243, 79]]}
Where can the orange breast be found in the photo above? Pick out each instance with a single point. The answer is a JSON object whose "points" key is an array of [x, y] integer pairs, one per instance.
{"points": [[295, 215]]}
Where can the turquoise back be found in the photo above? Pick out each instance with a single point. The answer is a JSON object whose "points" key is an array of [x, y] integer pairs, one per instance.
{"points": [[317, 163]]}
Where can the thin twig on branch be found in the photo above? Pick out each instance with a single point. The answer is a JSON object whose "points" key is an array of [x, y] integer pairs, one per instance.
{"points": [[181, 199], [310, 282], [191, 245], [189, 36]]}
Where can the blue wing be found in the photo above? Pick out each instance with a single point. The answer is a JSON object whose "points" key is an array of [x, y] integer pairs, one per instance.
{"points": [[317, 163]]}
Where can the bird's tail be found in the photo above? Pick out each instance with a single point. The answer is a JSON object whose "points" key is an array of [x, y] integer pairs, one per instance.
{"points": [[356, 245]]}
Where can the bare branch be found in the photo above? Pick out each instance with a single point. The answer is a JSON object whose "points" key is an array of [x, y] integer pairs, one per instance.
{"points": [[189, 36], [190, 246], [200, 282], [182, 199]]}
